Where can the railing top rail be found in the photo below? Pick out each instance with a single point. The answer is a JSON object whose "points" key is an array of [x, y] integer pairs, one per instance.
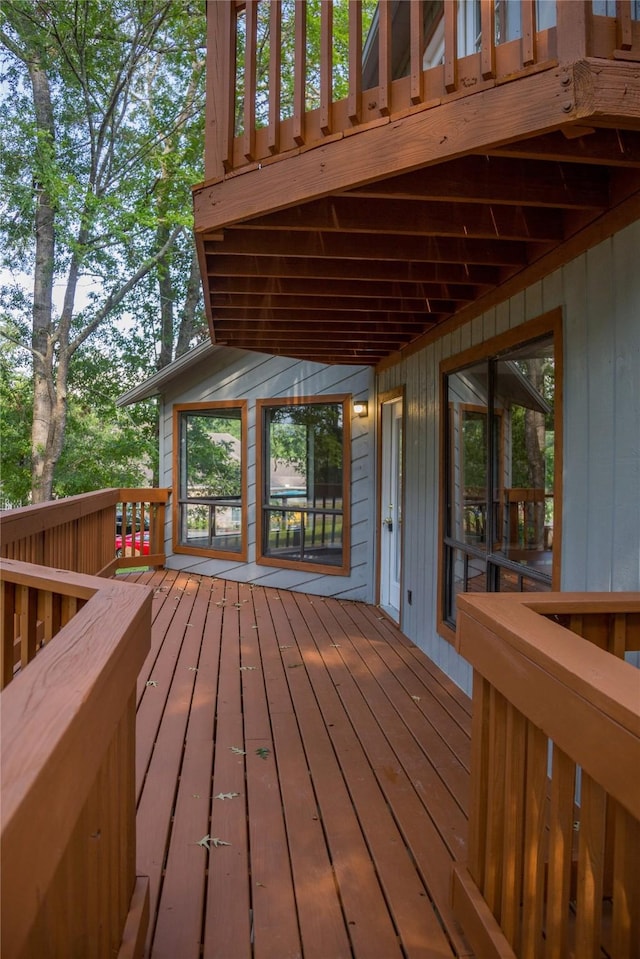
{"points": [[583, 698], [608, 681], [57, 718]]}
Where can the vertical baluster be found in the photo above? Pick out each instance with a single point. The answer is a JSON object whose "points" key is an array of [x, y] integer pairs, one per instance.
{"points": [[355, 61], [626, 885], [617, 644], [488, 47], [8, 626], [590, 868], [560, 854], [326, 65], [300, 72], [529, 32], [221, 88], [624, 34], [535, 842], [275, 76], [476, 846], [417, 51], [572, 29], [514, 825], [384, 57], [28, 618], [250, 80], [451, 46], [496, 803]]}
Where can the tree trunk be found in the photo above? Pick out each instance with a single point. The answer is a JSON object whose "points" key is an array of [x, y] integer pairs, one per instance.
{"points": [[44, 399], [191, 320]]}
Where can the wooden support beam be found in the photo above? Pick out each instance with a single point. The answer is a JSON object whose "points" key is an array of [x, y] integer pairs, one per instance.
{"points": [[355, 246], [222, 264], [403, 217]]}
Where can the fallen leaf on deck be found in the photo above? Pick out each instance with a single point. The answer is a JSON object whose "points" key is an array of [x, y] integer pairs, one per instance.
{"points": [[237, 751], [417, 698], [193, 669], [245, 668], [207, 841], [294, 665], [226, 795], [151, 682], [286, 647], [254, 626], [262, 752], [335, 645]]}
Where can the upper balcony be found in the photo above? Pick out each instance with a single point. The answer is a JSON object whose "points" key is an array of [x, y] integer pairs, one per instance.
{"points": [[359, 196]]}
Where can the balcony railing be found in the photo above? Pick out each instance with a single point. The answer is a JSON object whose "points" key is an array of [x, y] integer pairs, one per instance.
{"points": [[71, 648], [277, 85], [79, 533], [554, 826], [68, 763]]}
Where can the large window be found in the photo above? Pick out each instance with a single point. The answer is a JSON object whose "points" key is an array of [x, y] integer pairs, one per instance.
{"points": [[303, 455], [501, 453], [209, 502]]}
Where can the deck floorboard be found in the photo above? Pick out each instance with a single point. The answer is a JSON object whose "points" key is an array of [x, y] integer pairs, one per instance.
{"points": [[302, 777]]}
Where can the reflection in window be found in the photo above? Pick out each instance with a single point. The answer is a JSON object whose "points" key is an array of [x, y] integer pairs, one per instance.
{"points": [[303, 480], [210, 501], [500, 479]]}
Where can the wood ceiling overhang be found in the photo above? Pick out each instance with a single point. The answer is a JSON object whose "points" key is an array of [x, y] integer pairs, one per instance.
{"points": [[368, 273]]}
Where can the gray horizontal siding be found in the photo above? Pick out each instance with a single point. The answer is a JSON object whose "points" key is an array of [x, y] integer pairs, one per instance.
{"points": [[599, 293], [230, 375]]}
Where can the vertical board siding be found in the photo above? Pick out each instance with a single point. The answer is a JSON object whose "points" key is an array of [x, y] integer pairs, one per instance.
{"points": [[235, 374], [601, 506]]}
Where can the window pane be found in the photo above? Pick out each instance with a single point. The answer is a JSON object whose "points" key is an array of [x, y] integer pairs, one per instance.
{"points": [[524, 396], [303, 483], [511, 582], [466, 573], [210, 490], [468, 455]]}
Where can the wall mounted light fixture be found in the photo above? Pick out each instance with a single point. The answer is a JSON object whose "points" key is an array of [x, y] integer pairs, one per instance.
{"points": [[361, 408]]}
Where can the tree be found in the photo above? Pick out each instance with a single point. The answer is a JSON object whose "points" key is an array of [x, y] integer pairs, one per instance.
{"points": [[105, 107]]}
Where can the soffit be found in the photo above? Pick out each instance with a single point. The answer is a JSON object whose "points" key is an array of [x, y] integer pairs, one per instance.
{"points": [[361, 275]]}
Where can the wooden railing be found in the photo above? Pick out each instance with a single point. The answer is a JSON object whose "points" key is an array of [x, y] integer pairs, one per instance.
{"points": [[554, 830], [269, 92], [79, 533], [68, 761]]}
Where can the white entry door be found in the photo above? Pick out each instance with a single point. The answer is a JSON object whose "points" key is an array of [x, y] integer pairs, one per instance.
{"points": [[391, 508]]}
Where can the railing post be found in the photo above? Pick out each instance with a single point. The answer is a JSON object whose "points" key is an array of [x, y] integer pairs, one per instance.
{"points": [[220, 93], [573, 21]]}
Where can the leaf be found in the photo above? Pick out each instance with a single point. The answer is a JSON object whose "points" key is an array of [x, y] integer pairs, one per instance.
{"points": [[335, 645], [294, 665], [417, 698], [226, 795], [208, 841], [263, 752], [247, 668], [193, 669], [151, 682], [286, 647], [237, 750]]}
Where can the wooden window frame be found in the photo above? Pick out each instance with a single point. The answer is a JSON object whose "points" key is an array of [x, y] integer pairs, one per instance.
{"points": [[239, 556], [548, 324], [345, 399]]}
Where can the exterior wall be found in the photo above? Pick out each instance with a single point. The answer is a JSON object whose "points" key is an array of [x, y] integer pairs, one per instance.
{"points": [[234, 374], [600, 296]]}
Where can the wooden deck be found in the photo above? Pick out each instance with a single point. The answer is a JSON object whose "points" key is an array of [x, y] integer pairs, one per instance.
{"points": [[302, 776]]}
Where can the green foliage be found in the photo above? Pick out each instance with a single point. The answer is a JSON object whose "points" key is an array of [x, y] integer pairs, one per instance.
{"points": [[15, 424], [102, 127], [213, 466]]}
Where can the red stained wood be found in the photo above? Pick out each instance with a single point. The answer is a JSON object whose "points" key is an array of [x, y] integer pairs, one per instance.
{"points": [[333, 850]]}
